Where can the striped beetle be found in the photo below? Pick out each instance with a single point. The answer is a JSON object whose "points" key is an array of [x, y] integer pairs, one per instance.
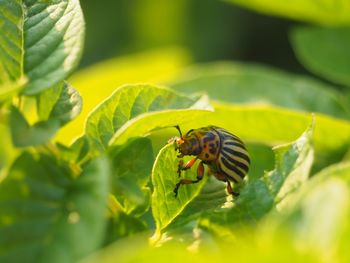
{"points": [[223, 152]]}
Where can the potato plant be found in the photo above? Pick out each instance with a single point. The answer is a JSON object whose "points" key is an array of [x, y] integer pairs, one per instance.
{"points": [[87, 173]]}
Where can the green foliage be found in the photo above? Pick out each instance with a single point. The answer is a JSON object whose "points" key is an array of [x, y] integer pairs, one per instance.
{"points": [[292, 165], [41, 41], [131, 166], [61, 102], [165, 207], [56, 106], [330, 12], [324, 51], [150, 66], [49, 212], [252, 83], [24, 134], [136, 107], [115, 182], [257, 196]]}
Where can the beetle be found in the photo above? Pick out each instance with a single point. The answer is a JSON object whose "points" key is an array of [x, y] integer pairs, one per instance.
{"points": [[223, 152]]}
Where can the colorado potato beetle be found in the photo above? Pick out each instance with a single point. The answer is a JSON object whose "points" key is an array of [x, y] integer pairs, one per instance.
{"points": [[223, 152]]}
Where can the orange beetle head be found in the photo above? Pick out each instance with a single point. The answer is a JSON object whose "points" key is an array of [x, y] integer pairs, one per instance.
{"points": [[187, 144]]}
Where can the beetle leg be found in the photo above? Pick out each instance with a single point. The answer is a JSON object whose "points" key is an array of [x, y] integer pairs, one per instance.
{"points": [[180, 155], [187, 166], [200, 173], [230, 190], [179, 167]]}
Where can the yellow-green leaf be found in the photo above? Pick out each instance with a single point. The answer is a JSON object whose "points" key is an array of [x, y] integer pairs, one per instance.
{"points": [[165, 206], [131, 106], [330, 12], [152, 66]]}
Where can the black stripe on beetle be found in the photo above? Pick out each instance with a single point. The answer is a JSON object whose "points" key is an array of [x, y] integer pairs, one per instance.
{"points": [[235, 143], [232, 167], [236, 153], [236, 162]]}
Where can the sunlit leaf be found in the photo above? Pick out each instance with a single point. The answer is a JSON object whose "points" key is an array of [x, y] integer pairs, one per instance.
{"points": [[292, 165], [320, 208], [128, 106], [272, 125], [331, 12], [41, 40], [11, 51], [60, 102], [213, 195], [7, 150], [324, 51], [245, 249], [152, 66], [254, 83], [165, 206], [50, 213]]}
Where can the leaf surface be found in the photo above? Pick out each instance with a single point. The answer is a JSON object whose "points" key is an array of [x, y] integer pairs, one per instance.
{"points": [[331, 12], [132, 109], [324, 51], [254, 83], [50, 213], [41, 41]]}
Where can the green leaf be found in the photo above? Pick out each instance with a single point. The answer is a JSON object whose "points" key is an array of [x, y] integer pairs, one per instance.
{"points": [[213, 196], [123, 225], [8, 87], [320, 208], [61, 102], [254, 83], [258, 195], [244, 249], [263, 157], [77, 152], [7, 151], [324, 51], [137, 249], [273, 126], [23, 134], [41, 40], [48, 213], [331, 12], [11, 39], [131, 170], [151, 66], [292, 165], [56, 106], [131, 110], [165, 206]]}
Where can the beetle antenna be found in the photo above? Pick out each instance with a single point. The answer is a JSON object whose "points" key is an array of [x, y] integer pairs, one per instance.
{"points": [[178, 128]]}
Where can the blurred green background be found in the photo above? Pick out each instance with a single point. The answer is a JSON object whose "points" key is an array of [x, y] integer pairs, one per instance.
{"points": [[209, 29]]}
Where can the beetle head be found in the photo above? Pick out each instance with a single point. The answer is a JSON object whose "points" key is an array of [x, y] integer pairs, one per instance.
{"points": [[187, 144]]}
